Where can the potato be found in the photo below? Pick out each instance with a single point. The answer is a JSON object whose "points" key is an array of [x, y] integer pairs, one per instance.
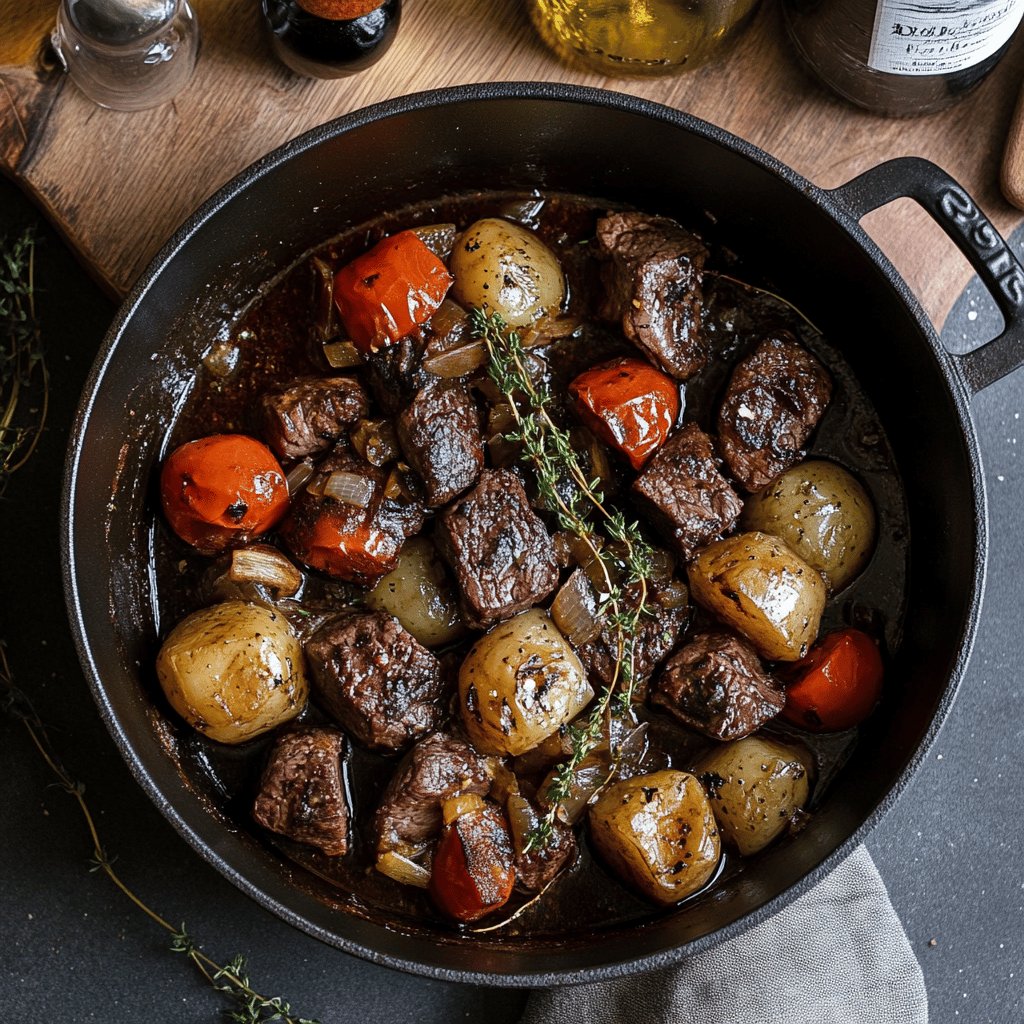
{"points": [[756, 584], [503, 268], [658, 832], [755, 785], [233, 671], [519, 684], [419, 593], [823, 513]]}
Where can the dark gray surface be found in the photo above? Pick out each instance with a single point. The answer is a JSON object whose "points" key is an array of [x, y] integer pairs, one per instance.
{"points": [[76, 950]]}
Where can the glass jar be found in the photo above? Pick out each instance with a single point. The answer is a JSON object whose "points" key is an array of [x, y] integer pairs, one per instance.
{"points": [[127, 54], [639, 37]]}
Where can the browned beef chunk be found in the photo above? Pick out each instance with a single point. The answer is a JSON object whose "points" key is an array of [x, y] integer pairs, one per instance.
{"points": [[436, 768], [717, 686], [440, 435], [774, 400], [375, 678], [347, 541], [396, 372], [534, 870], [652, 281], [302, 793], [501, 553], [656, 635], [683, 493], [311, 414]]}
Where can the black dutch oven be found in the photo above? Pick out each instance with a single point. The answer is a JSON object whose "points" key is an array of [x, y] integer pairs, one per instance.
{"points": [[805, 239]]}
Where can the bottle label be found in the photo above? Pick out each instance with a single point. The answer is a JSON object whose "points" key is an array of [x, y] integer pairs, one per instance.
{"points": [[922, 37]]}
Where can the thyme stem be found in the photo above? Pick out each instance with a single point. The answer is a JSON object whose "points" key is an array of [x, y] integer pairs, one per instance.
{"points": [[548, 448]]}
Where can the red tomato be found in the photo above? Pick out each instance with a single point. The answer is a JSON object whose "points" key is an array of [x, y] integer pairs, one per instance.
{"points": [[837, 684], [472, 872], [383, 294], [344, 543], [628, 403], [221, 490]]}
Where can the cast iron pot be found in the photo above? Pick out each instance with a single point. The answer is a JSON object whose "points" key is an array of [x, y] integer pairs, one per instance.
{"points": [[804, 239]]}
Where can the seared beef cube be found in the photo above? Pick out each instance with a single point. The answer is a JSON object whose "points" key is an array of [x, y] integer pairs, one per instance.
{"points": [[440, 436], [774, 400], [302, 793], [348, 541], [375, 678], [717, 686], [435, 769], [655, 636], [501, 553], [311, 414], [683, 493], [534, 870], [396, 372], [652, 281]]}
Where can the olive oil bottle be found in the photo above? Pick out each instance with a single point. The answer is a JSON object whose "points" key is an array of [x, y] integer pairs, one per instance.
{"points": [[639, 37]]}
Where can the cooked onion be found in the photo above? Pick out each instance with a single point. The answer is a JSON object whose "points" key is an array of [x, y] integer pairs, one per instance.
{"points": [[298, 476], [260, 563], [457, 362], [457, 806], [376, 441], [341, 355], [575, 610], [673, 594], [350, 488], [522, 820], [222, 358], [438, 238], [324, 318], [403, 870]]}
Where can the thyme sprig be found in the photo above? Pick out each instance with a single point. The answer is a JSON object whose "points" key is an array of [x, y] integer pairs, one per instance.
{"points": [[22, 366], [248, 1006], [575, 500]]}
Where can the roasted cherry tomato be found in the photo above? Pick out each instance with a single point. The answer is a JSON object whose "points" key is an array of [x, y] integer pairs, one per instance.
{"points": [[837, 684], [472, 872], [628, 403], [344, 543], [222, 490], [383, 294]]}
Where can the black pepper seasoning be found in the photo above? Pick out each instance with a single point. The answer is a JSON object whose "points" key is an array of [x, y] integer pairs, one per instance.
{"points": [[331, 38]]}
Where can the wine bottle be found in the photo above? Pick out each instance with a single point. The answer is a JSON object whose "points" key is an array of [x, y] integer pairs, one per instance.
{"points": [[331, 38], [901, 58]]}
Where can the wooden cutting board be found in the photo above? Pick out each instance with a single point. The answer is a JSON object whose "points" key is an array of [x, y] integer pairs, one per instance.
{"points": [[118, 184]]}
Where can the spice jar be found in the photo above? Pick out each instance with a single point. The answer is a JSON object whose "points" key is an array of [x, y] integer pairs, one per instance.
{"points": [[127, 54], [639, 37], [331, 38], [901, 58]]}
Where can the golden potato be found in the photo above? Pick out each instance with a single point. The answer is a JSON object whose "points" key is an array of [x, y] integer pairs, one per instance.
{"points": [[658, 832], [503, 268], [419, 593], [756, 584], [233, 670], [823, 513], [519, 684], [755, 785]]}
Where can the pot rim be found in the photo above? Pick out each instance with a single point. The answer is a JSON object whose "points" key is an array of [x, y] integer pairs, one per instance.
{"points": [[189, 816]]}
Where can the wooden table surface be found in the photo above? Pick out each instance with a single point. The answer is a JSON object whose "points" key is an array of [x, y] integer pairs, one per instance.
{"points": [[117, 184]]}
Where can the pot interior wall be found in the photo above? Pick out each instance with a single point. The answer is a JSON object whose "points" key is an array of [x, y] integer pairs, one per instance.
{"points": [[615, 153]]}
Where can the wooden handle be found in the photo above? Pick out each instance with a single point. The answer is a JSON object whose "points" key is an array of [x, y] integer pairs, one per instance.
{"points": [[1011, 175]]}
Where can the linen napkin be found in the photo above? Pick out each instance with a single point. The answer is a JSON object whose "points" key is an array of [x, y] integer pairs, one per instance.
{"points": [[836, 955]]}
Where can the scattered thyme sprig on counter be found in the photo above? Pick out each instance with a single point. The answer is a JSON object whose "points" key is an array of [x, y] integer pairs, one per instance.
{"points": [[548, 448], [249, 1007], [22, 367]]}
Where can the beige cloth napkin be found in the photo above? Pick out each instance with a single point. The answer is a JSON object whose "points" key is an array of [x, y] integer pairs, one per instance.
{"points": [[836, 955]]}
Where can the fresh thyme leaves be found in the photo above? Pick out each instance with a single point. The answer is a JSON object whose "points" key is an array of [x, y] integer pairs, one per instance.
{"points": [[575, 500], [22, 367], [249, 1007]]}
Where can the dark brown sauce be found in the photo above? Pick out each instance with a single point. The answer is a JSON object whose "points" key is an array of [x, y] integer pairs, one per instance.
{"points": [[278, 341]]}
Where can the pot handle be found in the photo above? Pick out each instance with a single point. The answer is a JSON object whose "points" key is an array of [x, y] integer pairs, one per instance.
{"points": [[958, 215]]}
